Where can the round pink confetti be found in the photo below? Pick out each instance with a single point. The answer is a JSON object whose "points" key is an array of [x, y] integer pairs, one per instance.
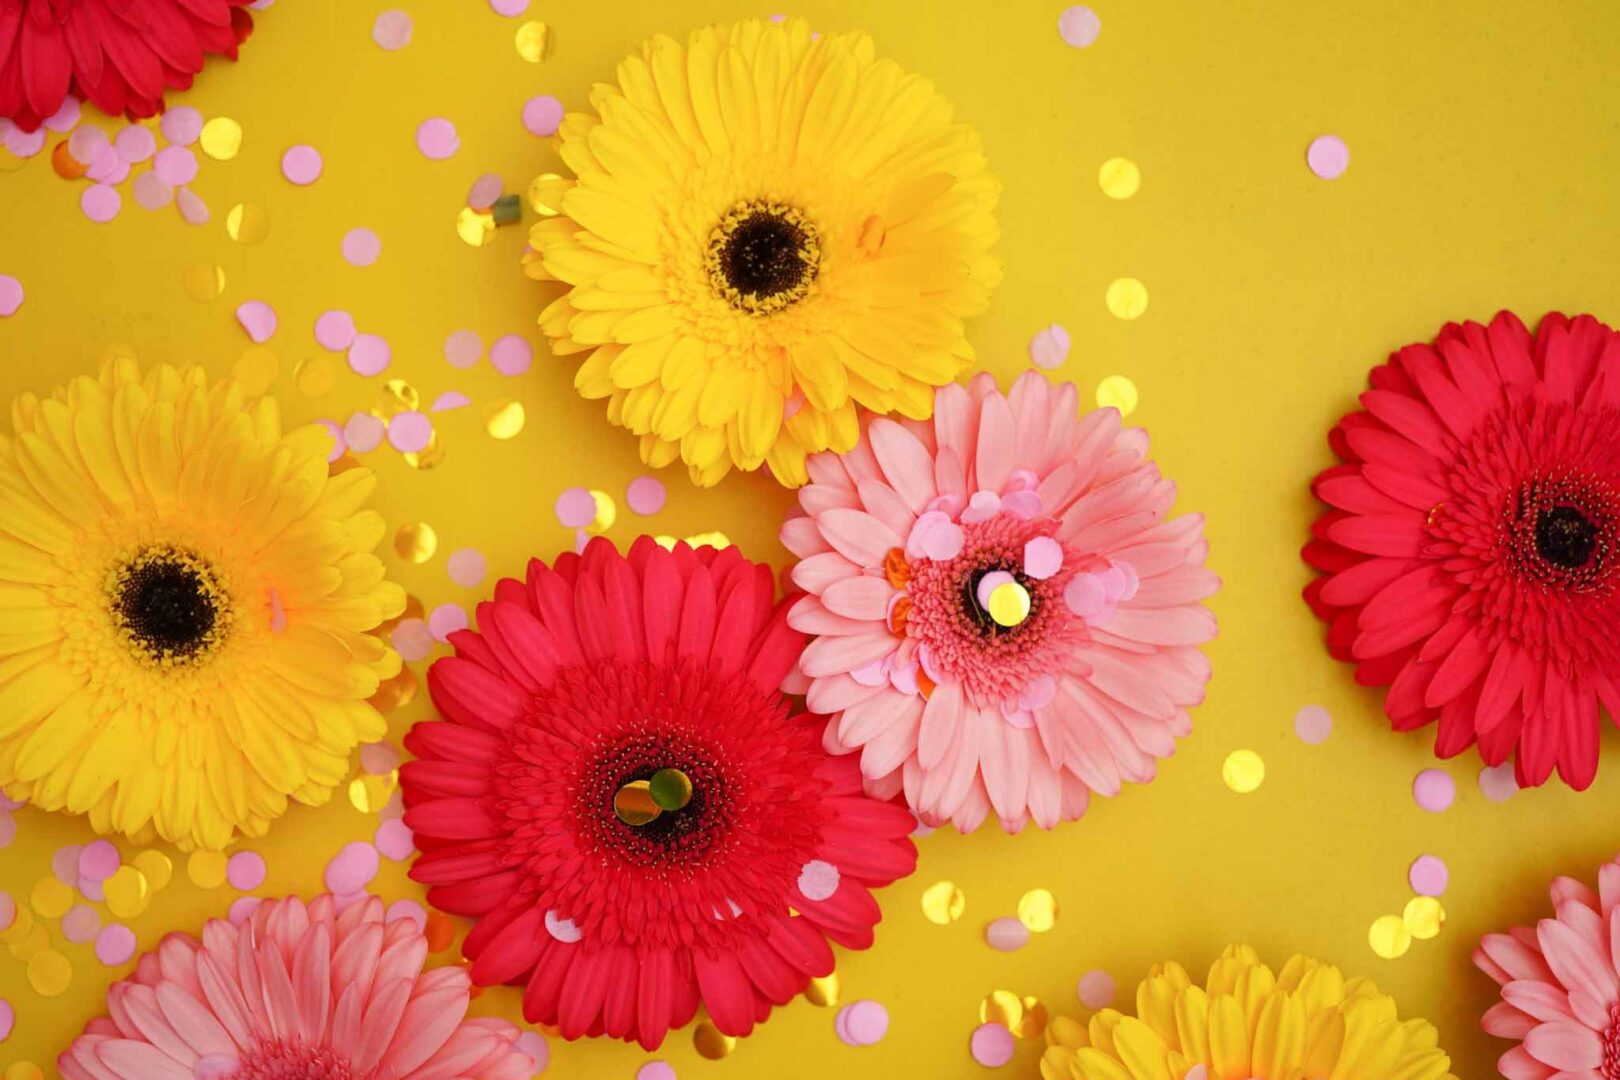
{"points": [[509, 8], [450, 399], [86, 143], [467, 567], [1434, 790], [100, 203], [407, 909], [392, 30], [108, 167], [445, 620], [8, 1020], [511, 355], [463, 348], [1313, 724], [65, 864], [334, 330], [1043, 557], [394, 807], [151, 191], [992, 1045], [1428, 875], [352, 868], [534, 1044], [135, 144], [80, 923], [115, 944], [361, 247], [11, 295], [485, 190], [24, 144], [1007, 934], [8, 803], [258, 319], [1096, 989], [1328, 157], [369, 354], [8, 909], [344, 901], [861, 1023], [395, 840], [99, 860], [8, 828], [242, 907], [379, 758], [66, 117], [1498, 783], [1049, 348], [412, 639], [437, 138], [301, 164], [363, 433], [92, 890], [542, 115], [1079, 26], [645, 495], [181, 125], [576, 508], [656, 1070], [175, 166], [410, 432], [339, 444], [245, 870], [192, 208], [818, 880]]}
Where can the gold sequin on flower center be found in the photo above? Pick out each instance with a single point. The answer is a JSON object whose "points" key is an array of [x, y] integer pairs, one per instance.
{"points": [[763, 256], [171, 607]]}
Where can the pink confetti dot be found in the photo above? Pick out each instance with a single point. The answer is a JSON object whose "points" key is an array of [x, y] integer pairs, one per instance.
{"points": [[135, 144], [1313, 724], [98, 861], [181, 125], [409, 432], [463, 348], [407, 909], [151, 191], [91, 890], [511, 355], [85, 143], [175, 166], [1007, 934], [992, 1045], [862, 1023], [369, 354], [1434, 790], [818, 880], [8, 909], [363, 433], [1328, 157], [1079, 26], [412, 639], [115, 944], [65, 864], [100, 203], [445, 620], [485, 190], [361, 247], [576, 508], [534, 1044], [467, 567], [1043, 557], [509, 8], [1049, 347], [379, 758], [242, 907], [1497, 782], [542, 115], [392, 30], [24, 144], [334, 330], [192, 208], [80, 924], [65, 118], [395, 840], [345, 901], [258, 319], [11, 295], [437, 138], [1428, 875], [1096, 989], [352, 868], [8, 828], [339, 444], [8, 1019], [656, 1070], [245, 870], [450, 399], [8, 803], [301, 164], [108, 167], [645, 495]]}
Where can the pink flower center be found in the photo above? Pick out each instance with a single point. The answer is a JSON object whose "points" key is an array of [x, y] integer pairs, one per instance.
{"points": [[283, 1060], [1610, 1068]]}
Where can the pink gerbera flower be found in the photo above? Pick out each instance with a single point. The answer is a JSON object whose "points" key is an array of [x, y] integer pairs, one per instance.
{"points": [[1471, 554], [622, 796], [1008, 617], [297, 991], [1560, 987]]}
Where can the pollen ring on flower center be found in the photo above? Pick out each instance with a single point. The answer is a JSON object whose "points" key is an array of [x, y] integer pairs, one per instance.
{"points": [[171, 606], [763, 256]]}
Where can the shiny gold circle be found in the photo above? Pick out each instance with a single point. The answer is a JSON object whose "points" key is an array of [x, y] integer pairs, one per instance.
{"points": [[1038, 910], [427, 457], [475, 227], [204, 281], [607, 512], [370, 792], [247, 223], [1002, 1007], [670, 789], [395, 397], [397, 692], [943, 903], [533, 41], [823, 991], [315, 376], [221, 138], [1423, 917], [546, 194], [634, 804], [157, 867], [504, 418], [711, 1042], [416, 542]]}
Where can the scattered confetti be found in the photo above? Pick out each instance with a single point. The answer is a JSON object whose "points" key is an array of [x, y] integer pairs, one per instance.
{"points": [[81, 924], [11, 295], [818, 879], [1498, 783], [1119, 178], [575, 508], [315, 376], [115, 944], [206, 869], [87, 141], [546, 194], [1117, 392], [412, 639], [301, 164], [436, 138], [1313, 724], [258, 319], [1049, 347], [1328, 156], [992, 1045], [363, 433], [8, 910], [466, 567], [1243, 771], [1096, 989], [221, 138], [445, 620], [533, 41], [943, 902], [157, 867], [1424, 916], [1428, 875], [100, 203], [395, 840], [862, 1023], [127, 892], [361, 247], [1079, 26], [241, 908], [409, 432], [66, 117], [181, 125], [542, 115], [534, 1044], [823, 990], [416, 542], [50, 899], [645, 495], [99, 860], [247, 223], [135, 144], [245, 870], [407, 909], [369, 354], [511, 355], [352, 868], [1006, 934], [192, 209], [151, 191], [1389, 937], [475, 227], [1434, 790], [23, 1070], [8, 1020], [49, 973], [334, 330], [709, 1041], [484, 191], [509, 8], [175, 166], [204, 281], [606, 513], [256, 369], [65, 863], [1038, 910], [656, 1070], [1127, 298], [391, 30]]}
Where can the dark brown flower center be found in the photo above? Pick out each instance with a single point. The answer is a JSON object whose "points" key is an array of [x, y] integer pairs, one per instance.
{"points": [[763, 256], [1565, 537], [1562, 531], [655, 799], [169, 604]]}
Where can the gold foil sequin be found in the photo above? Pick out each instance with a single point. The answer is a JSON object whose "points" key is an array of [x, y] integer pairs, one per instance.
{"points": [[1127, 298], [546, 194], [427, 457], [315, 376], [1119, 178], [475, 227], [1423, 917], [1038, 910], [1002, 1007], [416, 542], [943, 903], [711, 1043], [22, 921], [671, 789], [1032, 1025], [1009, 604], [395, 397], [221, 138], [607, 512], [397, 692], [370, 792], [634, 804], [1389, 937], [533, 41], [504, 418], [49, 973], [127, 892], [247, 223], [203, 281], [823, 991], [1244, 771], [37, 940], [206, 869], [49, 898], [1117, 392], [256, 369], [156, 866]]}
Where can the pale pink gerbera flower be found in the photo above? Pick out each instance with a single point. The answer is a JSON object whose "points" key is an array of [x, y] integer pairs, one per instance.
{"points": [[296, 991], [1008, 619], [1560, 987]]}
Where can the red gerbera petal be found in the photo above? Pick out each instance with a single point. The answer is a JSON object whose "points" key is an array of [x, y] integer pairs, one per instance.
{"points": [[1470, 557], [594, 675]]}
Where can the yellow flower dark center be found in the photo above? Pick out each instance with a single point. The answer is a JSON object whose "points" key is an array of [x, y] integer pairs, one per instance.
{"points": [[169, 605], [763, 256]]}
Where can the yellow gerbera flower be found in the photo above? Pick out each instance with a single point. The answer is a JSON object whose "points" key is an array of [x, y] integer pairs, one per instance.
{"points": [[184, 595], [1306, 1023], [768, 228]]}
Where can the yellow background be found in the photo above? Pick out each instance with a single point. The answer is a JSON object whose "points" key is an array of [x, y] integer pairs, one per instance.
{"points": [[1484, 156]]}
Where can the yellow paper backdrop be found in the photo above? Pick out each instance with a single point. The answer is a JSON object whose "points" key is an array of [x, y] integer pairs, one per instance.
{"points": [[1484, 156]]}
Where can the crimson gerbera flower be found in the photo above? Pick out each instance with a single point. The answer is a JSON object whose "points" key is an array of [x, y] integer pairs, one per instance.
{"points": [[120, 54], [1471, 556], [622, 796]]}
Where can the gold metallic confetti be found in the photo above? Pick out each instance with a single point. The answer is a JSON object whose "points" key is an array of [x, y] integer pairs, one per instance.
{"points": [[943, 903], [315, 376], [1032, 1025], [50, 899], [546, 194], [247, 223], [607, 512], [1117, 392], [716, 539], [221, 138], [1423, 917], [395, 397], [671, 789], [416, 542], [66, 165], [204, 281], [206, 869], [127, 892], [1038, 910], [397, 692], [427, 457], [823, 991], [156, 866], [533, 41], [370, 792], [22, 922], [1009, 604], [1243, 771], [711, 1042], [634, 805], [475, 227], [1127, 298], [37, 940], [256, 369], [49, 973], [1389, 937], [23, 1070], [1002, 1007], [1119, 178], [504, 418]]}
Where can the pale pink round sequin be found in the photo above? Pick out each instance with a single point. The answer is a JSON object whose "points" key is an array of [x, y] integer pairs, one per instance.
{"points": [[467, 567], [363, 433], [1313, 724], [407, 909], [339, 444], [258, 319], [91, 890], [151, 191], [1428, 875], [395, 806], [379, 758], [395, 840], [361, 247], [485, 190], [334, 330], [511, 355], [175, 165], [181, 125], [65, 118], [576, 508], [1328, 157], [412, 639], [245, 870], [80, 923], [1007, 934], [85, 143], [369, 354], [352, 868], [818, 879], [392, 30], [1043, 557], [8, 909], [437, 138], [992, 1045], [656, 1070], [135, 144], [509, 8], [542, 115], [99, 860], [301, 164], [1049, 347], [242, 907], [1434, 790], [645, 495], [1096, 989], [534, 1044], [65, 864], [445, 620], [862, 1023], [410, 432], [100, 203], [11, 295], [25, 144], [115, 944], [463, 348], [108, 167], [1079, 26], [450, 399], [8, 1019], [1497, 782], [192, 207]]}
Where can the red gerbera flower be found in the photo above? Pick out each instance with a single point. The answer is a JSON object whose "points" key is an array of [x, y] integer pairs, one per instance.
{"points": [[1472, 553], [621, 795], [120, 54]]}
